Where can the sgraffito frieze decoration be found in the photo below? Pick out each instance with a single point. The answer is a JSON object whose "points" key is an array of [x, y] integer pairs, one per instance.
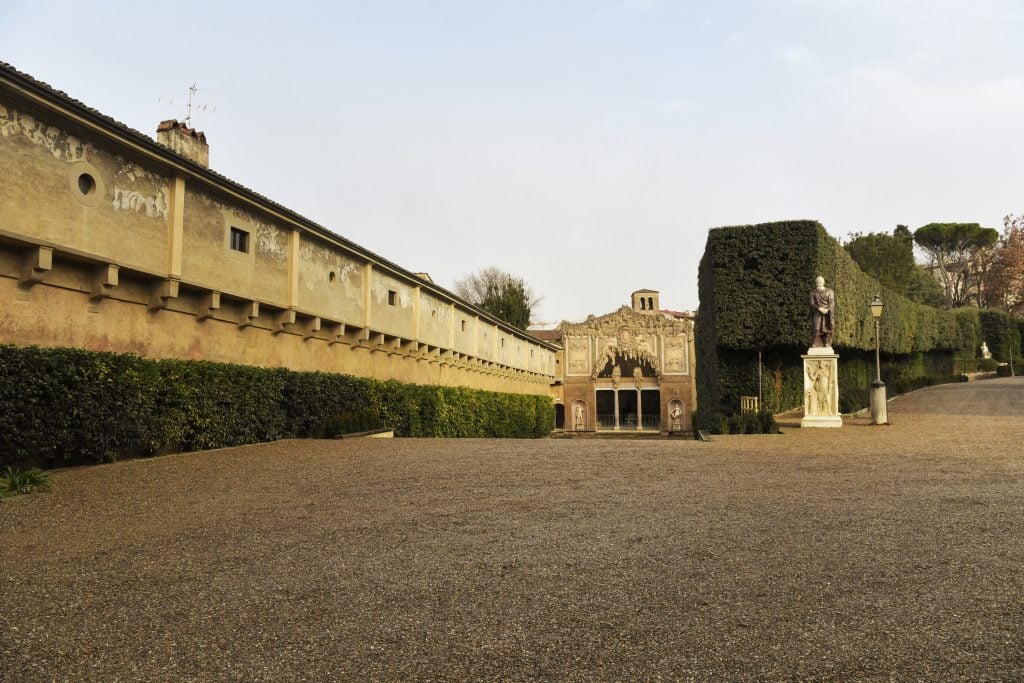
{"points": [[134, 188], [270, 240], [137, 189], [57, 142]]}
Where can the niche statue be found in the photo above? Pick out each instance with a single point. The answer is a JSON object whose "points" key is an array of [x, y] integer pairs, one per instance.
{"points": [[823, 314]]}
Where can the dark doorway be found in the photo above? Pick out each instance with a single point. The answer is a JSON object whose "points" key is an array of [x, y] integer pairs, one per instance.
{"points": [[627, 409], [605, 409], [650, 404], [559, 416]]}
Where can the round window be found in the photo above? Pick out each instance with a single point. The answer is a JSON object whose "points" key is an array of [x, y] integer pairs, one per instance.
{"points": [[85, 184]]}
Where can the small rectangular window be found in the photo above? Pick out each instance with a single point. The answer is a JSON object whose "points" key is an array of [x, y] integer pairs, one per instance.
{"points": [[240, 240], [463, 325], [392, 297]]}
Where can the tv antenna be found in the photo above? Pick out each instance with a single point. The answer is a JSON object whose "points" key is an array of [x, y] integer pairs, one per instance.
{"points": [[191, 103]]}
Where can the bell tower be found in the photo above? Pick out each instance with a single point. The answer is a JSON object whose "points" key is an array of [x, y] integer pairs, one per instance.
{"points": [[646, 301]]}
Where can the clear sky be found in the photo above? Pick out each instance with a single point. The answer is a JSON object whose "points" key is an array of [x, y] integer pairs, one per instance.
{"points": [[586, 146]]}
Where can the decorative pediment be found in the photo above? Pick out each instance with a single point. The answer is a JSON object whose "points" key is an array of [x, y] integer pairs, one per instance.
{"points": [[640, 323], [627, 342]]}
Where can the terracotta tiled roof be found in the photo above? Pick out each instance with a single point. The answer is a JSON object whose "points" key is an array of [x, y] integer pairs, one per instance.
{"points": [[678, 314], [546, 335]]}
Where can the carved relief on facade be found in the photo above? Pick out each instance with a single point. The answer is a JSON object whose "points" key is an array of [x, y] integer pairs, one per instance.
{"points": [[578, 355], [677, 355], [626, 348], [821, 397], [630, 339], [647, 325]]}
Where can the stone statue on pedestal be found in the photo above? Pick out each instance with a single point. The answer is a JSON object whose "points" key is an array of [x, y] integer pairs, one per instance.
{"points": [[821, 363], [676, 413], [823, 314]]}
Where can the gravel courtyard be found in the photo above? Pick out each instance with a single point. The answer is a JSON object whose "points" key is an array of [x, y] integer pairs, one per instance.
{"points": [[866, 553]]}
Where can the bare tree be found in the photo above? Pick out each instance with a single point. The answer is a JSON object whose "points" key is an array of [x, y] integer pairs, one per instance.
{"points": [[1008, 266], [500, 293]]}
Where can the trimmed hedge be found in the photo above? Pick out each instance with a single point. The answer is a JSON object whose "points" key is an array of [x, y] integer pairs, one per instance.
{"points": [[1001, 332], [753, 284], [715, 422], [69, 406]]}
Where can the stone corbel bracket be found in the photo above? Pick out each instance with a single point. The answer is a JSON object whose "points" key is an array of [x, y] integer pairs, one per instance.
{"points": [[374, 341], [336, 333], [35, 265], [312, 328], [161, 293], [209, 304], [104, 279], [284, 320], [249, 315]]}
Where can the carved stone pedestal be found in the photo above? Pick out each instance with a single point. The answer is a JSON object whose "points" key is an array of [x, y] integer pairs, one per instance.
{"points": [[821, 388]]}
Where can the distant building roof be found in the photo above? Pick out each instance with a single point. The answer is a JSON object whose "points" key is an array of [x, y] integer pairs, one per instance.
{"points": [[679, 314], [546, 335]]}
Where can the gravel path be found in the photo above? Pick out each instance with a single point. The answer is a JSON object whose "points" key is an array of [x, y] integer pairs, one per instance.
{"points": [[866, 553]]}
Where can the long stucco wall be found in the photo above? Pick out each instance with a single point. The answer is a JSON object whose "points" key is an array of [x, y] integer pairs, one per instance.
{"points": [[141, 260]]}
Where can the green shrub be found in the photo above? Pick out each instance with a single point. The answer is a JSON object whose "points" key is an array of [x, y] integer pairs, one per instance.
{"points": [[15, 482], [768, 423], [711, 422], [737, 424], [69, 406], [987, 364], [714, 422]]}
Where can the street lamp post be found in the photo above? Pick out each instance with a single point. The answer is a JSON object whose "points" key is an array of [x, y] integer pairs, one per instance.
{"points": [[878, 412]]}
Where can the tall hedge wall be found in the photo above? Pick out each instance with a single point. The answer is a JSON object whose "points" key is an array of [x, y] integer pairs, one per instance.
{"points": [[68, 406], [753, 284]]}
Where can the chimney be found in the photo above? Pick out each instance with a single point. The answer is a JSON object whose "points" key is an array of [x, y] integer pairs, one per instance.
{"points": [[186, 141]]}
